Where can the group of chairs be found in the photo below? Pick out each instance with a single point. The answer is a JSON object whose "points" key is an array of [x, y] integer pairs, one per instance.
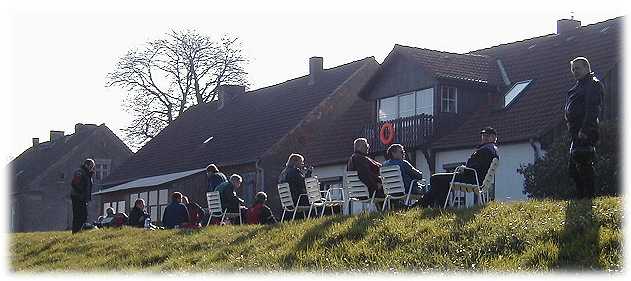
{"points": [[357, 191]]}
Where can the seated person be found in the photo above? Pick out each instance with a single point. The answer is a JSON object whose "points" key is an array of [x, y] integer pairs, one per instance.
{"points": [[295, 174], [138, 215], [480, 161], [367, 168], [395, 155], [260, 213], [175, 214], [228, 194], [195, 213], [215, 177], [120, 219], [106, 221]]}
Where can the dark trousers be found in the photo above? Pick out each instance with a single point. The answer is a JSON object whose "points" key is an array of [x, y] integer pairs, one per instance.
{"points": [[581, 170], [79, 214], [440, 187]]}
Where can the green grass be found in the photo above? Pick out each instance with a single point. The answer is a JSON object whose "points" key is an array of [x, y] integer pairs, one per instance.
{"points": [[533, 235]]}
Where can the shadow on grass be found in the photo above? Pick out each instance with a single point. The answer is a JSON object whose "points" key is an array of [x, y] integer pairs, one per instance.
{"points": [[578, 244]]}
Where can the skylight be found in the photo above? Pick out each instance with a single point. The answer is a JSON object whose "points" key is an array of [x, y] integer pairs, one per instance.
{"points": [[207, 140], [515, 91]]}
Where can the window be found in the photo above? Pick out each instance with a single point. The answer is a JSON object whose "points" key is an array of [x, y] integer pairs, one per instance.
{"points": [[102, 168], [105, 206], [425, 101], [515, 91], [406, 105], [132, 200], [448, 99], [121, 207], [155, 201]]}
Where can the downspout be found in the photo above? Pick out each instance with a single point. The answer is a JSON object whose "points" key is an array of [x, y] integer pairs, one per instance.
{"points": [[261, 175]]}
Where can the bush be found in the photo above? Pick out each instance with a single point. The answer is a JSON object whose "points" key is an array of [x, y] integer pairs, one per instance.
{"points": [[548, 177]]}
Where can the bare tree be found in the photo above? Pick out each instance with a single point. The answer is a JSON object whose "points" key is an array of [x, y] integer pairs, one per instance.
{"points": [[167, 76]]}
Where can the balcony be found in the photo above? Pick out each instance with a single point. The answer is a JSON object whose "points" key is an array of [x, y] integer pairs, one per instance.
{"points": [[412, 132]]}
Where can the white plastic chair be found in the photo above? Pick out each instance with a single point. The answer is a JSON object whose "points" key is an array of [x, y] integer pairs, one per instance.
{"points": [[481, 192], [314, 194], [392, 182], [357, 190], [287, 202], [214, 206]]}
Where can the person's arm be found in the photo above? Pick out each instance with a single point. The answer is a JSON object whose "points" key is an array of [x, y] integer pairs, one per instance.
{"points": [[267, 217], [363, 168], [593, 99], [413, 172], [480, 160]]}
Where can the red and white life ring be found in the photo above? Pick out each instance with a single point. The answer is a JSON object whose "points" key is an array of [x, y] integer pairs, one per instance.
{"points": [[386, 140]]}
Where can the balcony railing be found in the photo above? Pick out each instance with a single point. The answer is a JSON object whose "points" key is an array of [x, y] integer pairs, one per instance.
{"points": [[412, 132]]}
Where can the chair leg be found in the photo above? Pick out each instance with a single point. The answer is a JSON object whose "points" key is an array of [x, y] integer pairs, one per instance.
{"points": [[294, 216], [283, 217], [446, 199], [310, 208], [240, 218], [223, 216]]}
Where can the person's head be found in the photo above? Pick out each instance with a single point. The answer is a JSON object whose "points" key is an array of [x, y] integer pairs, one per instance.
{"points": [[212, 169], [176, 197], [295, 160], [580, 67], [488, 135], [89, 164], [260, 197], [361, 145], [109, 211], [140, 203], [395, 152], [236, 180], [184, 199]]}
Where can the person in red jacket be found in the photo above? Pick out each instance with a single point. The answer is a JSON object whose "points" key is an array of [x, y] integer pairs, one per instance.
{"points": [[195, 213], [260, 213]]}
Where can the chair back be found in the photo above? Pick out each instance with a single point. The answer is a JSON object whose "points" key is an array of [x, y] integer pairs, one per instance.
{"points": [[490, 175], [356, 188], [313, 190], [285, 196], [214, 202], [392, 179]]}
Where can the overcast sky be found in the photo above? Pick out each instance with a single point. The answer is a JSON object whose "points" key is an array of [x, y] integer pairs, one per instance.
{"points": [[59, 54]]}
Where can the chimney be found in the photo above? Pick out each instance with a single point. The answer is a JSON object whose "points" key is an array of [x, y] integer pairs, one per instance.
{"points": [[227, 93], [35, 142], [315, 69], [55, 135], [79, 127], [567, 25]]}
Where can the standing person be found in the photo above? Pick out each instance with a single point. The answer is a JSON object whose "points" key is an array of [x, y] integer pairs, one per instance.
{"points": [[367, 168], [175, 214], [582, 108], [260, 213], [215, 177], [228, 194], [395, 155], [295, 174], [81, 193], [480, 161]]}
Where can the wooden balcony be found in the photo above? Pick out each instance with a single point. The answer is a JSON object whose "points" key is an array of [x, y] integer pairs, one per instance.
{"points": [[412, 132]]}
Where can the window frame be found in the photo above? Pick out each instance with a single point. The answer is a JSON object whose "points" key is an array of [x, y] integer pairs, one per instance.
{"points": [[415, 94], [448, 99], [512, 100]]}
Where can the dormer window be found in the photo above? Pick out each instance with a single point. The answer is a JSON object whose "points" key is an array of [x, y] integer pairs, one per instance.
{"points": [[449, 99], [406, 105], [515, 91]]}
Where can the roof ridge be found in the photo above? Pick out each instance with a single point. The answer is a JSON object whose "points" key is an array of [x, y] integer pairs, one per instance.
{"points": [[541, 36], [438, 51]]}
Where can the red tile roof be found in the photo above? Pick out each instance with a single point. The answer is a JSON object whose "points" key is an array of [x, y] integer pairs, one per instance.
{"points": [[545, 60], [242, 130]]}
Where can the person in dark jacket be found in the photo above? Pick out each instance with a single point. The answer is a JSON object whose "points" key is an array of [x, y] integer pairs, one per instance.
{"points": [[228, 194], [138, 215], [81, 193], [175, 214], [260, 213], [395, 155], [480, 161], [295, 174], [367, 168], [582, 108], [215, 177]]}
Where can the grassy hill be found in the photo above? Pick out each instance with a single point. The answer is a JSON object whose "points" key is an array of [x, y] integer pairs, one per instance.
{"points": [[533, 235]]}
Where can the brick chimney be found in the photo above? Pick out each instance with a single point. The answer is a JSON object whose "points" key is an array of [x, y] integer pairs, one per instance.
{"points": [[35, 142], [55, 135], [567, 25], [315, 69], [227, 93], [79, 127]]}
